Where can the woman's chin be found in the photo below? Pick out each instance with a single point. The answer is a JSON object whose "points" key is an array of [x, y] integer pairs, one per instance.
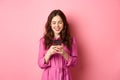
{"points": [[57, 32]]}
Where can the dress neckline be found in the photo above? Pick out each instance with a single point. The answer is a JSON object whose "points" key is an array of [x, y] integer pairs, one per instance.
{"points": [[59, 38]]}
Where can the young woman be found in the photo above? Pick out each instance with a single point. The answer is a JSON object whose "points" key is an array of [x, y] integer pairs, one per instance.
{"points": [[57, 48]]}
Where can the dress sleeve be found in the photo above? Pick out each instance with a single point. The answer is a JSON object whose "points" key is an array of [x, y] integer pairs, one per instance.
{"points": [[41, 59], [73, 55]]}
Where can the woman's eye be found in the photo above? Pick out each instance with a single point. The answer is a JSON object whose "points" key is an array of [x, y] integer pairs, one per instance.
{"points": [[53, 23], [60, 22]]}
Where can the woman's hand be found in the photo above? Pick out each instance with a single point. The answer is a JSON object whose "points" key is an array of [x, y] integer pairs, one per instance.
{"points": [[61, 51], [52, 50], [56, 49]]}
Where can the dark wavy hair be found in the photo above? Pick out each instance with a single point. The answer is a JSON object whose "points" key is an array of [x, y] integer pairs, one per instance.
{"points": [[64, 34]]}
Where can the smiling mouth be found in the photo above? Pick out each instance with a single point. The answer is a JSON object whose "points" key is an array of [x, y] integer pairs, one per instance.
{"points": [[57, 29]]}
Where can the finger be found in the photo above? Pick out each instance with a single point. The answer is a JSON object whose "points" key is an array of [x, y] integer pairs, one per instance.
{"points": [[56, 49], [59, 47]]}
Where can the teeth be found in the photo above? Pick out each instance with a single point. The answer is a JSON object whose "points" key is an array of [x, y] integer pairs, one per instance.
{"points": [[57, 29]]}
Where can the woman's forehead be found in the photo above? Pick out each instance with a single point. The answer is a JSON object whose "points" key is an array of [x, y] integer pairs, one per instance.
{"points": [[57, 18]]}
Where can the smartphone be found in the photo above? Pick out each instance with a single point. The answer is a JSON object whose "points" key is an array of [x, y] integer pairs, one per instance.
{"points": [[57, 42]]}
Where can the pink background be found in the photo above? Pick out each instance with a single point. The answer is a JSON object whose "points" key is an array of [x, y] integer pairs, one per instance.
{"points": [[95, 24]]}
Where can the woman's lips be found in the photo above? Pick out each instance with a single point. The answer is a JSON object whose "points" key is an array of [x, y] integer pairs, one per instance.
{"points": [[57, 29]]}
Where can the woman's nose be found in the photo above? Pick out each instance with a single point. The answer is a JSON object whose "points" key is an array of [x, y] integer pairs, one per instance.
{"points": [[56, 24]]}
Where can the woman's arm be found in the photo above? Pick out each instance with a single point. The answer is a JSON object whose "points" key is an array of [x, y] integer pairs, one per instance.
{"points": [[43, 59], [44, 55], [69, 56], [71, 60]]}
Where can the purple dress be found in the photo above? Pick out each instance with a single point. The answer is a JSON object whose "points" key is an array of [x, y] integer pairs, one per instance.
{"points": [[57, 67]]}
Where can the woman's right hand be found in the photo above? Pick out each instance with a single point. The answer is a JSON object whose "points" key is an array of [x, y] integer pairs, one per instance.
{"points": [[52, 50]]}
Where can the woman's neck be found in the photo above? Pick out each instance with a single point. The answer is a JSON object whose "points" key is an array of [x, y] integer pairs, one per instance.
{"points": [[56, 36]]}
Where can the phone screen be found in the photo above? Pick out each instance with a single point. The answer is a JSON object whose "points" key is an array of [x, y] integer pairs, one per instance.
{"points": [[57, 42]]}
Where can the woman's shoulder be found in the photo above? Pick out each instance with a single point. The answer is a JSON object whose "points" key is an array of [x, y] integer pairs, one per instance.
{"points": [[41, 39], [73, 39]]}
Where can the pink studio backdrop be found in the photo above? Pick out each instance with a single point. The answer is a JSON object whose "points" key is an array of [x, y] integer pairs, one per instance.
{"points": [[95, 24]]}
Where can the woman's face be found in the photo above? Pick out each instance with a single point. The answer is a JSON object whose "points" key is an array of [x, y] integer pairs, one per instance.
{"points": [[57, 24]]}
